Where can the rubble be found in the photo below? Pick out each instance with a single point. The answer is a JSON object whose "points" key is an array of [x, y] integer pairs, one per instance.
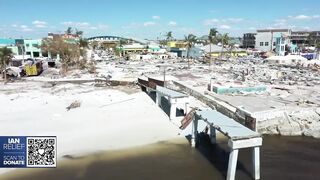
{"points": [[293, 89], [73, 105], [285, 88], [51, 73]]}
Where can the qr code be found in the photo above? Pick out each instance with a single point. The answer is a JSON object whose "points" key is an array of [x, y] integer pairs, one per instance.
{"points": [[41, 151]]}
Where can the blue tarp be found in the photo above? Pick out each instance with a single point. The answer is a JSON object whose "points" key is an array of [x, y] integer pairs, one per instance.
{"points": [[309, 56]]}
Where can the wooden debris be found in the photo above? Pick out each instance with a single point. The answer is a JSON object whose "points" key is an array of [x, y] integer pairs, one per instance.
{"points": [[73, 105]]}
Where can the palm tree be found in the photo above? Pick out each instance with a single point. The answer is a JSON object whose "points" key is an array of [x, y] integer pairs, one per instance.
{"points": [[146, 48], [224, 39], [69, 30], [213, 35], [169, 36], [79, 33], [120, 45], [212, 40], [190, 40], [5, 58]]}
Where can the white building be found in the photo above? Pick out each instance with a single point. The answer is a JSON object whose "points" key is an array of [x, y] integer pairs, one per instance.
{"points": [[266, 39], [137, 57], [33, 47]]}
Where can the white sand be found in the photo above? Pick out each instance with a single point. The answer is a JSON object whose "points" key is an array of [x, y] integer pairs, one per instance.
{"points": [[107, 119]]}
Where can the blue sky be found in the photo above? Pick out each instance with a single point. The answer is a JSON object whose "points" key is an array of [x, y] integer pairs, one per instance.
{"points": [[151, 19]]}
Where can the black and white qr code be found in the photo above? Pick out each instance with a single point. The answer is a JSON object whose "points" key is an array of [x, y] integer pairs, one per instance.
{"points": [[41, 151]]}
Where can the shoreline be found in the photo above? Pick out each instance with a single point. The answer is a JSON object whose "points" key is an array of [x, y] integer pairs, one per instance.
{"points": [[105, 120]]}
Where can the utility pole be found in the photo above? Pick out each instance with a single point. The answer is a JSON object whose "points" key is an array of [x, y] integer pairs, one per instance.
{"points": [[22, 48], [164, 76], [271, 43]]}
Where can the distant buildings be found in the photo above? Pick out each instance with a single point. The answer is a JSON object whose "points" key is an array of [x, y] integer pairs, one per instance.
{"points": [[16, 45], [176, 44], [300, 37], [314, 37], [305, 38], [249, 40], [114, 39], [7, 42], [280, 41], [266, 39], [133, 48], [33, 47], [180, 48], [275, 40], [23, 47]]}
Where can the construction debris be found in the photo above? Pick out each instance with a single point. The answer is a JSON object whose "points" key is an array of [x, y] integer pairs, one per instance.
{"points": [[74, 104]]}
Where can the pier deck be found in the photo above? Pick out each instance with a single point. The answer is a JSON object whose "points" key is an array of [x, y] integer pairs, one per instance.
{"points": [[239, 137]]}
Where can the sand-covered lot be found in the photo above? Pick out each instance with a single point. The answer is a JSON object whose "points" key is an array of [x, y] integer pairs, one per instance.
{"points": [[108, 118]]}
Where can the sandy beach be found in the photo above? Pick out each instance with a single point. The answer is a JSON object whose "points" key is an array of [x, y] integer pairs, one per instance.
{"points": [[108, 118]]}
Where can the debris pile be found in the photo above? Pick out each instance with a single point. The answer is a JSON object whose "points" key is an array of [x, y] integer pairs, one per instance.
{"points": [[73, 105]]}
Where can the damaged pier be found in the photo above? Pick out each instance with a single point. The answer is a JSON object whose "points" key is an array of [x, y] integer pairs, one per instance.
{"points": [[239, 137]]}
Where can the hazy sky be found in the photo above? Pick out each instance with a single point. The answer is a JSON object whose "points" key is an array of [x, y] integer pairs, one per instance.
{"points": [[151, 19]]}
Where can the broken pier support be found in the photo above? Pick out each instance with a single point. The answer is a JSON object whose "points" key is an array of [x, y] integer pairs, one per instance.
{"points": [[239, 137]]}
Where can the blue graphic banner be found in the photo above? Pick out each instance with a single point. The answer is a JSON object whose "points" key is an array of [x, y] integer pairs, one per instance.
{"points": [[25, 151], [13, 151]]}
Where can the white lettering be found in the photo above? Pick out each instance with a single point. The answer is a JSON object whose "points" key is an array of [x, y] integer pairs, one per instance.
{"points": [[13, 162], [14, 140]]}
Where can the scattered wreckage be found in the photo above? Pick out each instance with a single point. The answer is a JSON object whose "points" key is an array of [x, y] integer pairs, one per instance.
{"points": [[30, 67]]}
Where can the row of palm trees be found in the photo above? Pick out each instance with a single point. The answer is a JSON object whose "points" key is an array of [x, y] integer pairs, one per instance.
{"points": [[214, 37]]}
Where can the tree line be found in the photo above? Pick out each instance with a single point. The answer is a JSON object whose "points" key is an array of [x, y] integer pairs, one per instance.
{"points": [[213, 37]]}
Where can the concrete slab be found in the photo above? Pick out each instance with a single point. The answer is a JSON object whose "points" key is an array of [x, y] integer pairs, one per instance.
{"points": [[170, 93], [226, 125]]}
